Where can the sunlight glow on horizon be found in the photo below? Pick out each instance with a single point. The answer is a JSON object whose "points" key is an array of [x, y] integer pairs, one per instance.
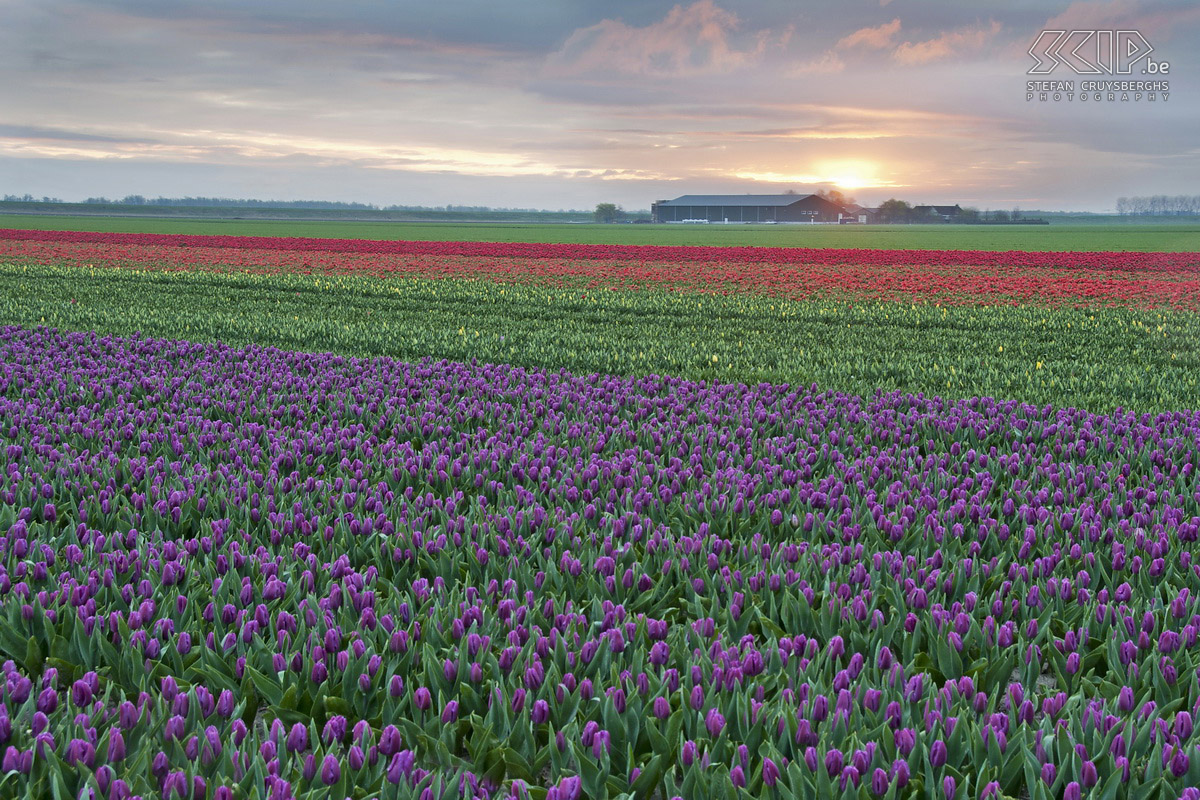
{"points": [[842, 173]]}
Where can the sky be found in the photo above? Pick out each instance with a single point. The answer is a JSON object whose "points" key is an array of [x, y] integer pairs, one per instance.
{"points": [[571, 103]]}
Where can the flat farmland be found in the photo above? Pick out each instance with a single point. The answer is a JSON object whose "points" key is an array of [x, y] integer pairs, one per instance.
{"points": [[446, 515], [1067, 236]]}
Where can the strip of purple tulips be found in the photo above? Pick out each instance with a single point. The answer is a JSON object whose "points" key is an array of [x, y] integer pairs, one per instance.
{"points": [[242, 572]]}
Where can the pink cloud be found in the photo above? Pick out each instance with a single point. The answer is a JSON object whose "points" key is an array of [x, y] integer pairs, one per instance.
{"points": [[875, 38], [827, 63], [949, 44], [689, 40]]}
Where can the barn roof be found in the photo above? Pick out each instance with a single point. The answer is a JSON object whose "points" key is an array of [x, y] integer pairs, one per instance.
{"points": [[736, 200]]}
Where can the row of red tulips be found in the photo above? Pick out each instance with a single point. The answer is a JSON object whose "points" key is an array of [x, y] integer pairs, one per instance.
{"points": [[1130, 262], [1144, 280]]}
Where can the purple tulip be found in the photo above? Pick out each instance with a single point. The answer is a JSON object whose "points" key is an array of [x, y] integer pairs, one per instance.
{"points": [[938, 754], [175, 728], [390, 741], [10, 760], [297, 738], [714, 721], [334, 730], [601, 744], [80, 751], [1072, 792], [770, 773], [568, 789], [331, 771], [116, 746], [1183, 725], [905, 740], [834, 762], [589, 733], [1088, 775], [47, 701], [175, 785], [225, 703], [81, 694], [880, 782], [836, 647]]}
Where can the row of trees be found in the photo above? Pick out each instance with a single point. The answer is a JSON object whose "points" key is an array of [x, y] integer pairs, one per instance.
{"points": [[28, 198], [228, 202], [608, 212], [1160, 205], [894, 210]]}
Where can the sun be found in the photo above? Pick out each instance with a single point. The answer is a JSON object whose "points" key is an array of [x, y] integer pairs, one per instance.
{"points": [[847, 173]]}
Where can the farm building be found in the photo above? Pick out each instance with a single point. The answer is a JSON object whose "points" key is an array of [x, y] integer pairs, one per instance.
{"points": [[746, 208], [944, 213], [860, 214]]}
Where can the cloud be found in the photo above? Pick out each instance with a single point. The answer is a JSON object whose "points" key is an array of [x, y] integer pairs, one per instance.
{"points": [[694, 40], [1092, 15], [1124, 15], [624, 101], [949, 44], [827, 63], [47, 134], [873, 38]]}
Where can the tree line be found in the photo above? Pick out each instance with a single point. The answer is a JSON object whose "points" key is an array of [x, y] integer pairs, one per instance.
{"points": [[229, 202], [28, 198], [1160, 205]]}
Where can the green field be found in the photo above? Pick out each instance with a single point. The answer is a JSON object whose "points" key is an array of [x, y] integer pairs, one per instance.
{"points": [[1068, 236], [1097, 359]]}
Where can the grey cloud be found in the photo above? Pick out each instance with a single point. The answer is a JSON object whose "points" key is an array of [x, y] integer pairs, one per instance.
{"points": [[63, 135]]}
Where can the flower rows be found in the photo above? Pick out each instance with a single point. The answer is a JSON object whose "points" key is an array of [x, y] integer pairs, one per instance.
{"points": [[1144, 280], [245, 572]]}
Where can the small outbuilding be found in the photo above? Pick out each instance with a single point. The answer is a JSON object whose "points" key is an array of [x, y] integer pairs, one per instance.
{"points": [[943, 213]]}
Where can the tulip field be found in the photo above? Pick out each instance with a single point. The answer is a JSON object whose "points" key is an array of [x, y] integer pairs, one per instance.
{"points": [[349, 519]]}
